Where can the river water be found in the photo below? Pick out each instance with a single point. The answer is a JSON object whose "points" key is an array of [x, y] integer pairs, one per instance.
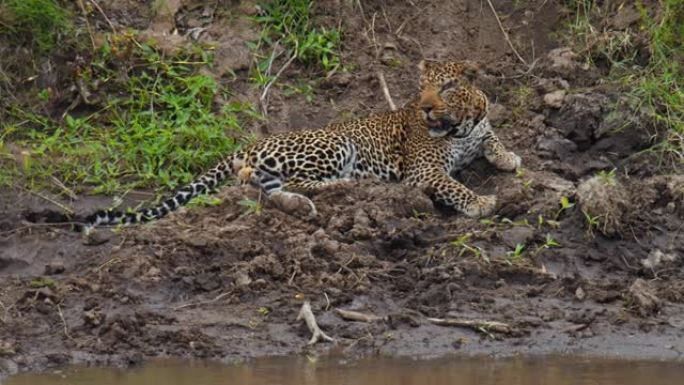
{"points": [[376, 371]]}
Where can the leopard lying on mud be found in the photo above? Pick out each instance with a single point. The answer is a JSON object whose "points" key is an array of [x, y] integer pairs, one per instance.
{"points": [[419, 144]]}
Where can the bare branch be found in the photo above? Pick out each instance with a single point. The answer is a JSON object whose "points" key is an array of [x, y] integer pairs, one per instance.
{"points": [[477, 325], [308, 316], [351, 315], [508, 39]]}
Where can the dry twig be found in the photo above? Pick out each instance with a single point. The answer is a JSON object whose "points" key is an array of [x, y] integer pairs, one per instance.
{"points": [[477, 325], [87, 22], [66, 209], [308, 316], [104, 15], [508, 39], [264, 94], [385, 91], [70, 193], [351, 315], [61, 317]]}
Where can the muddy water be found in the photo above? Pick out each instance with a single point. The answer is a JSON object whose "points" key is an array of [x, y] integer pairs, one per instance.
{"points": [[303, 371]]}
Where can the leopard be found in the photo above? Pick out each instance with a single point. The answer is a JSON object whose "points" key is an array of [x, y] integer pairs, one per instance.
{"points": [[421, 143], [458, 131]]}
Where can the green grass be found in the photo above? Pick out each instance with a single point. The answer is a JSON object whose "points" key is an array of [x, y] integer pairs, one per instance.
{"points": [[654, 86], [35, 23], [660, 88], [153, 121], [289, 23]]}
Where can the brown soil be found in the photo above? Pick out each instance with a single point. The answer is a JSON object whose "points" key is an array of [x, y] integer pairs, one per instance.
{"points": [[223, 282]]}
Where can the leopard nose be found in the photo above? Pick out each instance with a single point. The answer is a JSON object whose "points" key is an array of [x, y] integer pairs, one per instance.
{"points": [[427, 109]]}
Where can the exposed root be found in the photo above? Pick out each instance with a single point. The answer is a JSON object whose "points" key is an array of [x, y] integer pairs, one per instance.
{"points": [[308, 316]]}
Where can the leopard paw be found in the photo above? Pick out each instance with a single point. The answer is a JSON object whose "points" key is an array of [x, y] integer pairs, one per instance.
{"points": [[293, 203], [508, 161], [482, 206]]}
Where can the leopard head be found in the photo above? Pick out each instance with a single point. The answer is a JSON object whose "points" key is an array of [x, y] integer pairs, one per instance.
{"points": [[450, 105], [439, 73]]}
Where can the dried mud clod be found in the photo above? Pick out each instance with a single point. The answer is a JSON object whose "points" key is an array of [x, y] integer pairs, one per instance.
{"points": [[605, 204], [644, 298]]}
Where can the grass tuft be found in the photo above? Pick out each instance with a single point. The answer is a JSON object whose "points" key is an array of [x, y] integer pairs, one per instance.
{"points": [[655, 82], [150, 120], [289, 23], [35, 23]]}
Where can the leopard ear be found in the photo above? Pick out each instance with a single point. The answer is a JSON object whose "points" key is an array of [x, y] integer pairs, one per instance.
{"points": [[421, 65], [425, 64], [471, 69]]}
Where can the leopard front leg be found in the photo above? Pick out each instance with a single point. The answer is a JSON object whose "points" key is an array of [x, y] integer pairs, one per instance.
{"points": [[496, 154], [444, 189]]}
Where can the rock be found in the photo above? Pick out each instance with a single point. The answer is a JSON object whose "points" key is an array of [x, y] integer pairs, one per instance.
{"points": [[546, 85], [95, 238], [389, 55], [241, 278], [555, 146], [644, 297], [232, 53], [580, 117], [677, 322], [8, 367], [555, 99], [675, 188], [7, 348], [604, 199], [656, 258], [497, 114], [625, 17], [54, 268], [519, 235], [580, 294], [562, 58]]}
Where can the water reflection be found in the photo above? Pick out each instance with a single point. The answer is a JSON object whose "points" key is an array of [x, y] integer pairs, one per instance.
{"points": [[377, 371]]}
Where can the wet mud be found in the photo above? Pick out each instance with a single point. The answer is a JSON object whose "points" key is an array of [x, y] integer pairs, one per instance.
{"points": [[571, 263]]}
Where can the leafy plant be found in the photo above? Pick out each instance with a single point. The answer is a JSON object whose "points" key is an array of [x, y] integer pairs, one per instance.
{"points": [[151, 121], [289, 22], [204, 201], [253, 207], [652, 82], [462, 244], [516, 254], [565, 205], [37, 23], [593, 222]]}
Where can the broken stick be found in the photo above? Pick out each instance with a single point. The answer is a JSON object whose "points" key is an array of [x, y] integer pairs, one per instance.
{"points": [[351, 315], [308, 316], [477, 325], [385, 91]]}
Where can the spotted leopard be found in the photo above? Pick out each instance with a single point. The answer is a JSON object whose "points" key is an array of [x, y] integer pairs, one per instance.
{"points": [[458, 131], [418, 143]]}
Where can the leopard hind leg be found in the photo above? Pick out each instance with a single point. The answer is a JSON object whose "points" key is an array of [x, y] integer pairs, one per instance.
{"points": [[272, 185]]}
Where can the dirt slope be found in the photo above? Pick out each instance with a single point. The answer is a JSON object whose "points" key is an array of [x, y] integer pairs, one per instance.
{"points": [[223, 282]]}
